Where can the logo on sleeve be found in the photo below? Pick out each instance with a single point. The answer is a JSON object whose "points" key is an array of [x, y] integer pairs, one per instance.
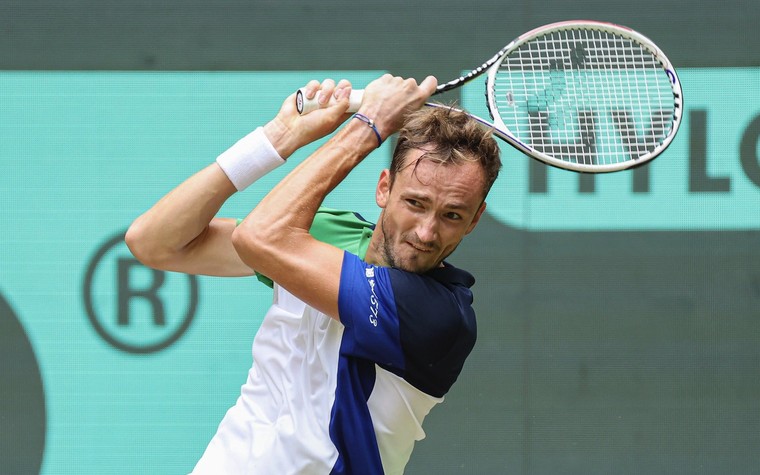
{"points": [[374, 303]]}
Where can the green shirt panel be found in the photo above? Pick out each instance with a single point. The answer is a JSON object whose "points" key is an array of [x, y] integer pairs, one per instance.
{"points": [[345, 230]]}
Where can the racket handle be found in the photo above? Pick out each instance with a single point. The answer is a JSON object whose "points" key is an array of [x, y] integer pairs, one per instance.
{"points": [[304, 106]]}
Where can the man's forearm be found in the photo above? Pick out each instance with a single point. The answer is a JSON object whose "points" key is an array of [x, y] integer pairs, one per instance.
{"points": [[180, 217], [180, 232], [292, 203], [274, 239], [288, 210]]}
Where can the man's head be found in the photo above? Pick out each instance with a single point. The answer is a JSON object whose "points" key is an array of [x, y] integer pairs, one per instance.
{"points": [[434, 192], [451, 137]]}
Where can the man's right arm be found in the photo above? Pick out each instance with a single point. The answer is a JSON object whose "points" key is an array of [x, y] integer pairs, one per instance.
{"points": [[180, 232]]}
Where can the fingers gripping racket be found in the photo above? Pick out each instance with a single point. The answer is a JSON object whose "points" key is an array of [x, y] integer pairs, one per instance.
{"points": [[585, 96]]}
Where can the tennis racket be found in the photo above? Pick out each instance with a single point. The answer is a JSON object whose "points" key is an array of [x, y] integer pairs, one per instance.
{"points": [[582, 95]]}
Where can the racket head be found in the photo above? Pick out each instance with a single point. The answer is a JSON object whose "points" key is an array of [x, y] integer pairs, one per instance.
{"points": [[586, 96]]}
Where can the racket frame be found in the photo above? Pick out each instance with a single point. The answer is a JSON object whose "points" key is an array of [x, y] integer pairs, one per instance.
{"points": [[500, 129]]}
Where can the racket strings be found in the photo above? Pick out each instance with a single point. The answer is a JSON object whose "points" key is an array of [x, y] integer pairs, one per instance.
{"points": [[585, 96]]}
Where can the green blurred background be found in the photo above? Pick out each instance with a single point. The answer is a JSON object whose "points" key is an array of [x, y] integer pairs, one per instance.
{"points": [[619, 315]]}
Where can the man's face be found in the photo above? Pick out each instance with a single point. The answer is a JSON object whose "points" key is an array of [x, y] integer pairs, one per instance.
{"points": [[426, 212]]}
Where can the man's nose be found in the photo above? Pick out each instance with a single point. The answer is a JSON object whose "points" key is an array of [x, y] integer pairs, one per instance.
{"points": [[427, 229]]}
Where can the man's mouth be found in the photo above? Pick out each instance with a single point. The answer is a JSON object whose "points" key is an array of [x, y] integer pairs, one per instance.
{"points": [[421, 249]]}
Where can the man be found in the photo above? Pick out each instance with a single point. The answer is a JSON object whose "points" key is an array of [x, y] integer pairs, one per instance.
{"points": [[367, 330]]}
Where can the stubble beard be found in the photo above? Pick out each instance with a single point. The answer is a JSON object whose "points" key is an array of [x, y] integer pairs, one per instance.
{"points": [[392, 260]]}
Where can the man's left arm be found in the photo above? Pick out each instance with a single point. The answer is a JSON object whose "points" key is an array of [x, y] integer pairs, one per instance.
{"points": [[274, 238]]}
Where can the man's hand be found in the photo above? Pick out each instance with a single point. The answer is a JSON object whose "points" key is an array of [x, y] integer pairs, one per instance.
{"points": [[289, 130], [388, 100]]}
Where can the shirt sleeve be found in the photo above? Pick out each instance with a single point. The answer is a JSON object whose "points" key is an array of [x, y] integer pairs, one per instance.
{"points": [[367, 309], [411, 324]]}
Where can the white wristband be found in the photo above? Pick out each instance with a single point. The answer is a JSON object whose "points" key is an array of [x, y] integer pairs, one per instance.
{"points": [[249, 159]]}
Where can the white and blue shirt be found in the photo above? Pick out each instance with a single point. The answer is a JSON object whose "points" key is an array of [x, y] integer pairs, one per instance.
{"points": [[347, 397]]}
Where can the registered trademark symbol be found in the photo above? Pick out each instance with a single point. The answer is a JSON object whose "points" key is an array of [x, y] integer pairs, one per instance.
{"points": [[133, 307]]}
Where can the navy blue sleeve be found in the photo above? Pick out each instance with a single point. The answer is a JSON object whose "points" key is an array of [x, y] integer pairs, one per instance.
{"points": [[366, 307], [419, 327], [437, 328]]}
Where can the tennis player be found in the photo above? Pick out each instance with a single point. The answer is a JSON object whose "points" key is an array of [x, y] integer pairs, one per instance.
{"points": [[369, 326]]}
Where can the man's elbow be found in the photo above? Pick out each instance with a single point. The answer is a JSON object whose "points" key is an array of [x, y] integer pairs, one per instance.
{"points": [[139, 243], [251, 245]]}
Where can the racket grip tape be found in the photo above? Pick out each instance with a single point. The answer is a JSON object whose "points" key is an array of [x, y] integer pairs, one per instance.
{"points": [[304, 105]]}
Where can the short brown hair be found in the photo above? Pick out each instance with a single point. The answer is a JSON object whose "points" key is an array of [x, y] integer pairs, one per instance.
{"points": [[449, 136]]}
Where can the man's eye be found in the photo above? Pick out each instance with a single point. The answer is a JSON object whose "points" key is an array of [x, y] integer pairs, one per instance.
{"points": [[413, 203], [452, 215]]}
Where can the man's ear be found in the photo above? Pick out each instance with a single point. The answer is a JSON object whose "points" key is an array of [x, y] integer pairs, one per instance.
{"points": [[476, 218], [383, 188]]}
